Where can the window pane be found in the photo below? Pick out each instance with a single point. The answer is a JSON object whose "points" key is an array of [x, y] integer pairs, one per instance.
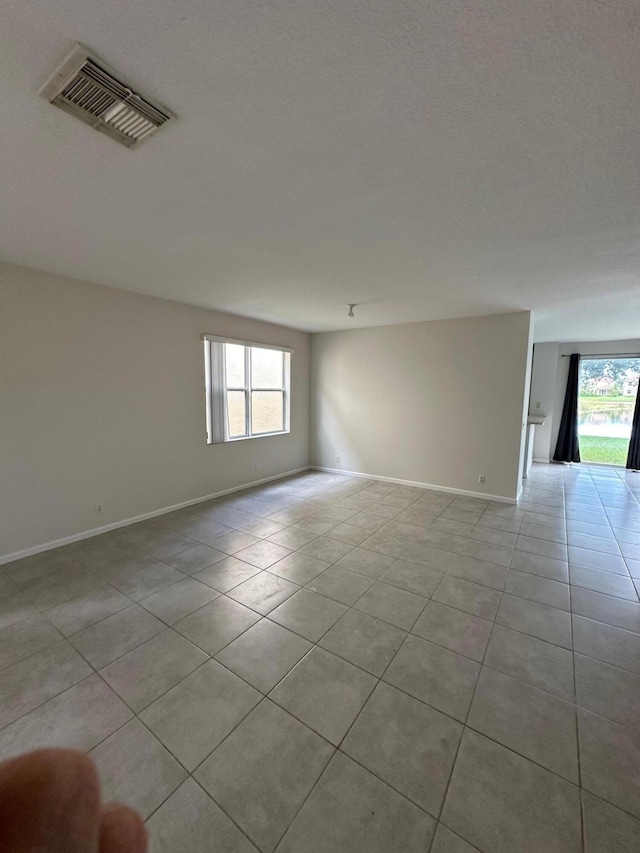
{"points": [[236, 405], [234, 360], [266, 411], [266, 368]]}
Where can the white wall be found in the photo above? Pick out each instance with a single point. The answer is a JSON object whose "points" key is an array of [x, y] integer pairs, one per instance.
{"points": [[438, 402], [543, 396], [102, 401], [549, 383]]}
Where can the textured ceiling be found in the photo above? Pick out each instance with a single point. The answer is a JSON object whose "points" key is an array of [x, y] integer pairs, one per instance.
{"points": [[427, 159]]}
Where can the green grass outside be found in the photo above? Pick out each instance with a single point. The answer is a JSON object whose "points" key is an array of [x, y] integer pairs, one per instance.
{"points": [[598, 398], [600, 448]]}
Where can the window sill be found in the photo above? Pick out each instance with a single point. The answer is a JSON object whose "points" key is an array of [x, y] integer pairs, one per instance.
{"points": [[249, 437]]}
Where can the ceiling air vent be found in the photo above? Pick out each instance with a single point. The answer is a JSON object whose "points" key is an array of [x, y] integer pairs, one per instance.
{"points": [[87, 88]]}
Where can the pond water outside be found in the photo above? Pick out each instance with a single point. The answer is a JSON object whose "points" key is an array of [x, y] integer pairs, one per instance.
{"points": [[612, 419]]}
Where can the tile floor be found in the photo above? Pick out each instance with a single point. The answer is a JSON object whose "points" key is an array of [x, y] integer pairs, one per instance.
{"points": [[328, 664]]}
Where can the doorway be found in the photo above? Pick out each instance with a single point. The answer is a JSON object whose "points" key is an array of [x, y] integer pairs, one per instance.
{"points": [[608, 389]]}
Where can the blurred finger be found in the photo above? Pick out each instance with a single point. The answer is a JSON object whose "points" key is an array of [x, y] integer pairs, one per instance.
{"points": [[122, 830], [49, 802]]}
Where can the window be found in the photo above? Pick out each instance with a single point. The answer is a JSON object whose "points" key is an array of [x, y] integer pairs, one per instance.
{"points": [[247, 389]]}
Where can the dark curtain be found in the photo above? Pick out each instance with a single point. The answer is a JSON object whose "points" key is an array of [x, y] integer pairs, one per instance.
{"points": [[633, 457], [568, 448]]}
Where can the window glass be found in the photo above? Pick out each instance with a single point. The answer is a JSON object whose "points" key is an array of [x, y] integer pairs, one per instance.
{"points": [[266, 368], [236, 408], [234, 361], [267, 411]]}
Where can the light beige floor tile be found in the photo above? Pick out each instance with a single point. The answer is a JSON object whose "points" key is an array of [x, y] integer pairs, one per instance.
{"points": [[492, 536], [293, 537], [341, 585], [413, 577], [197, 714], [382, 543], [363, 641], [216, 624], [544, 567], [33, 681], [392, 604], [142, 579], [446, 841], [479, 572], [325, 692], [501, 802], [264, 592], [607, 583], [350, 809], [349, 533], [148, 671], [263, 554], [226, 574], [264, 654], [606, 608], [456, 630], [366, 562], [79, 613], [233, 541], [436, 559], [470, 597], [136, 769], [308, 614], [535, 724], [15, 608], [607, 545], [537, 620], [407, 744], [609, 761], [189, 820], [25, 638], [543, 590], [113, 637], [606, 690], [597, 560], [195, 558], [606, 643], [263, 772], [179, 600], [542, 547], [79, 718], [435, 675], [607, 829], [55, 590], [299, 568], [543, 665], [324, 548]]}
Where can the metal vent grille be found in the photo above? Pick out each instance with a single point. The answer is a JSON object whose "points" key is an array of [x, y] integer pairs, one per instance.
{"points": [[86, 88]]}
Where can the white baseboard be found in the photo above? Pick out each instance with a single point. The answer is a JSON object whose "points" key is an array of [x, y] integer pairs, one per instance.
{"points": [[541, 461], [95, 531], [415, 483]]}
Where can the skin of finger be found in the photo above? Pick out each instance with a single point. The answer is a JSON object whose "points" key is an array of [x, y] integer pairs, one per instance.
{"points": [[50, 803], [122, 830]]}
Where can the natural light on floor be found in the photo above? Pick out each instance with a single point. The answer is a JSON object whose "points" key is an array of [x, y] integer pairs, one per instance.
{"points": [[608, 388]]}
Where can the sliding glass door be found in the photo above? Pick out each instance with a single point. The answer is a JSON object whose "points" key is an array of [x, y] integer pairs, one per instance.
{"points": [[608, 388]]}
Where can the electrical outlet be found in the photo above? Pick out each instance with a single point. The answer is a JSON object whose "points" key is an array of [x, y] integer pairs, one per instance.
{"points": [[537, 405], [99, 508], [256, 468], [337, 458], [482, 478]]}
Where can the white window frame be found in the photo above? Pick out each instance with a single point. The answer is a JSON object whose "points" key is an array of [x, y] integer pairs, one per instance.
{"points": [[217, 416]]}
